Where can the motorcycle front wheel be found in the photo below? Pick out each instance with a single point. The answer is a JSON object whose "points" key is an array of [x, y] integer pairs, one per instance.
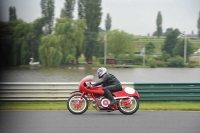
{"points": [[129, 106], [76, 105]]}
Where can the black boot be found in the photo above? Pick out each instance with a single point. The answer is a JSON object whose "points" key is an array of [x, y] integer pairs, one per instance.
{"points": [[110, 97], [112, 102]]}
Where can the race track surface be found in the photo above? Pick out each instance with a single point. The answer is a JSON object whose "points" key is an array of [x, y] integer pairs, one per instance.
{"points": [[99, 122]]}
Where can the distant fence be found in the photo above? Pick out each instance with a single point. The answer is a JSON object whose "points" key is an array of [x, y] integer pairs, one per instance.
{"points": [[24, 91]]}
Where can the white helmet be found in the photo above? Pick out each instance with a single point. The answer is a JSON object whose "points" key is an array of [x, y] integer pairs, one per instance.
{"points": [[101, 71]]}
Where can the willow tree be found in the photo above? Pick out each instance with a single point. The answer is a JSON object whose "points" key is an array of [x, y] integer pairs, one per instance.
{"points": [[50, 51], [90, 10], [72, 37], [6, 37], [27, 38], [21, 48], [78, 37], [37, 33]]}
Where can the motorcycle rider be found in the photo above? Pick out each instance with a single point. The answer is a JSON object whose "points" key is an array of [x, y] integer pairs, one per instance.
{"points": [[109, 82]]}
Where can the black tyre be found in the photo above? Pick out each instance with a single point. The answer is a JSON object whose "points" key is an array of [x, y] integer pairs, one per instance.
{"points": [[129, 106], [76, 105]]}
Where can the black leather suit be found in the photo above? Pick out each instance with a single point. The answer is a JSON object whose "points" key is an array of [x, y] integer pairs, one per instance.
{"points": [[110, 84]]}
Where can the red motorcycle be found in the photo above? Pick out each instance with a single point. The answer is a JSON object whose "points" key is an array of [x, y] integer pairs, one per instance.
{"points": [[127, 99]]}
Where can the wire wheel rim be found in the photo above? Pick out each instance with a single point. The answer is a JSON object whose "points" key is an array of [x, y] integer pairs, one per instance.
{"points": [[126, 108], [76, 104]]}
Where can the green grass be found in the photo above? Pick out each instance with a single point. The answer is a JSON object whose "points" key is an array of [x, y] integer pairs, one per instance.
{"points": [[32, 106], [186, 106], [140, 41]]}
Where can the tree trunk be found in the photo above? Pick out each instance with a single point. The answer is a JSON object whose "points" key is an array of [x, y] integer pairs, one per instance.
{"points": [[89, 59], [77, 54]]}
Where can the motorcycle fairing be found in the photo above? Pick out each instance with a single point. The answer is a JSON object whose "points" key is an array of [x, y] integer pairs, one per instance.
{"points": [[96, 90], [126, 91]]}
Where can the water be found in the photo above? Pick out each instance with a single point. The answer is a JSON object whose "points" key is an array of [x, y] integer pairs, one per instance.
{"points": [[76, 73]]}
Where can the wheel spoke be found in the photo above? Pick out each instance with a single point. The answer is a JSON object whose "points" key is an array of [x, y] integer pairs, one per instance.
{"points": [[77, 105], [128, 105]]}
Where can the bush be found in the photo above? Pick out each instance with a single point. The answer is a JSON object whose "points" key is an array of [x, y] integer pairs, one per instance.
{"points": [[152, 63], [155, 62], [158, 58], [161, 64], [176, 62], [165, 56], [101, 60], [192, 64], [138, 60], [70, 58], [125, 59]]}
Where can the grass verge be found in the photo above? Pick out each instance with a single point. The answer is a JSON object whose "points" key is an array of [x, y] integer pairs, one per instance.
{"points": [[184, 106]]}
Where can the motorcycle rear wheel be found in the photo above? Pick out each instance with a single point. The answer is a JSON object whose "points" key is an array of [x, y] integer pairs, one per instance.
{"points": [[131, 107], [76, 105]]}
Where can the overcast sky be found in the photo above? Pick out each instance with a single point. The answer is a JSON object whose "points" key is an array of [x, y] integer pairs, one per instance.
{"points": [[136, 17]]}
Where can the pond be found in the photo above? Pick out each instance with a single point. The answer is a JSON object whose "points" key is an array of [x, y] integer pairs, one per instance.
{"points": [[76, 73]]}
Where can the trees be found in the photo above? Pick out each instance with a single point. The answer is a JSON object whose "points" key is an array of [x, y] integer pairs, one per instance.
{"points": [[170, 42], [68, 9], [154, 33], [179, 49], [176, 62], [108, 22], [90, 10], [168, 30], [198, 25], [65, 45], [78, 37], [174, 47], [6, 37], [119, 42], [36, 34], [21, 41], [159, 24], [149, 48], [72, 37], [50, 51], [12, 13], [26, 41], [22, 38], [47, 7]]}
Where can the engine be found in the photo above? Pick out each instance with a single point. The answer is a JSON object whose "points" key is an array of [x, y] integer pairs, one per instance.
{"points": [[102, 101], [105, 102]]}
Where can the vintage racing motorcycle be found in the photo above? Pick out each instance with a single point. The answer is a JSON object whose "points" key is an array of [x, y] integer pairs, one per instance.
{"points": [[127, 99]]}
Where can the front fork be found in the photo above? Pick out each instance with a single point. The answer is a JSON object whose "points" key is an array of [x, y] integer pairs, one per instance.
{"points": [[82, 94], [88, 97]]}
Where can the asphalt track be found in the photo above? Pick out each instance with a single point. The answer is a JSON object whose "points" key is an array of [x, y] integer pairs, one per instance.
{"points": [[99, 122]]}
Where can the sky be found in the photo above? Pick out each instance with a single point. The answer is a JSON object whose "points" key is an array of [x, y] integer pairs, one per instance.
{"points": [[136, 17]]}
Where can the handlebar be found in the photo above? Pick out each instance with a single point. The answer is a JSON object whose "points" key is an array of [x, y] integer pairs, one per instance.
{"points": [[88, 84]]}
